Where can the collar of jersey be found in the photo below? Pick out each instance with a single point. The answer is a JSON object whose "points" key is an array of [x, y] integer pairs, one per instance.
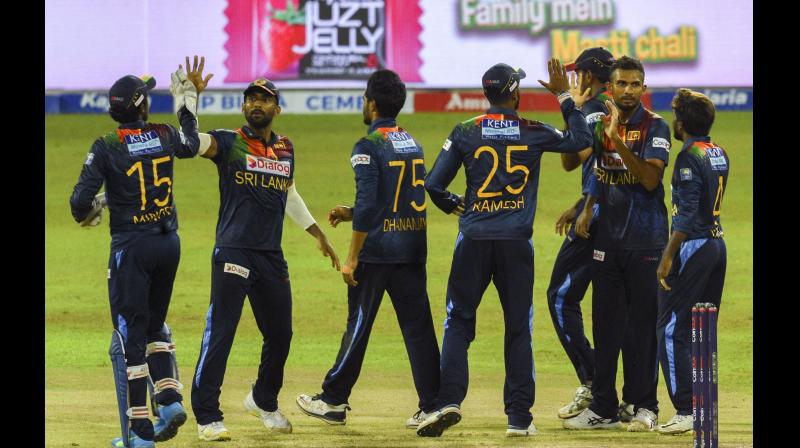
{"points": [[249, 133], [501, 110], [382, 123], [133, 125], [637, 116], [691, 141]]}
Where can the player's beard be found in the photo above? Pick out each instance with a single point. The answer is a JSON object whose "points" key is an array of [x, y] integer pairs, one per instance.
{"points": [[626, 107], [365, 115], [676, 132], [259, 123]]}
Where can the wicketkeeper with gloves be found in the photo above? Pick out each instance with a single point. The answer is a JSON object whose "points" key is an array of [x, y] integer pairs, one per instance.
{"points": [[135, 163]]}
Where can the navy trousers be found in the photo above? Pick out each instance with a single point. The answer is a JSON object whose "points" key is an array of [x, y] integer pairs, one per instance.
{"points": [[407, 288], [625, 307], [509, 265], [697, 275], [140, 279], [263, 277], [568, 284]]}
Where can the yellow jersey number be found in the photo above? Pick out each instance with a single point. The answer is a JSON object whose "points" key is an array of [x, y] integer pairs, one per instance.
{"points": [[482, 193], [718, 199], [137, 167], [414, 182]]}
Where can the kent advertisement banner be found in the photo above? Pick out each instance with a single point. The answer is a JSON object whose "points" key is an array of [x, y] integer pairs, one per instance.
{"points": [[333, 44]]}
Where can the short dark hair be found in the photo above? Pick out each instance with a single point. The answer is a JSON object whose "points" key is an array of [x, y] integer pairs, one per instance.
{"points": [[627, 63], [694, 110], [388, 91], [128, 115]]}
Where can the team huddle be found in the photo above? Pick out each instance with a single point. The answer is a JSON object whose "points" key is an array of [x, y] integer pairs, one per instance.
{"points": [[645, 277]]}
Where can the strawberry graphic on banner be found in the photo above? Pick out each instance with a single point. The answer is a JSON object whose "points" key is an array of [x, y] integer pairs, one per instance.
{"points": [[322, 39]]}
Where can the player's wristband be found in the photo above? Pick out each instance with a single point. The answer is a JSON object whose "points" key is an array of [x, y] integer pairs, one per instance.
{"points": [[563, 97]]}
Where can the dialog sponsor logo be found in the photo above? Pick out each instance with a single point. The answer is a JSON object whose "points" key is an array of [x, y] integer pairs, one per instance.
{"points": [[269, 166], [236, 269], [612, 161]]}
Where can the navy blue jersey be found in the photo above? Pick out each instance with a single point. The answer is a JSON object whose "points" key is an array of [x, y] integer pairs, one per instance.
{"points": [[698, 184], [390, 202], [594, 110], [631, 218], [135, 162], [254, 176], [500, 152]]}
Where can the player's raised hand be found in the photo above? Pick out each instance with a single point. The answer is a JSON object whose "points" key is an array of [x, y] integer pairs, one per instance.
{"points": [[612, 120], [558, 77], [579, 97], [194, 73], [338, 214]]}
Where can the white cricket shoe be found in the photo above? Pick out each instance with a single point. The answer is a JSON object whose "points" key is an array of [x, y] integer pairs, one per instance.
{"points": [[587, 419], [274, 421], [516, 431], [315, 407], [214, 431], [582, 400], [676, 425], [625, 412], [645, 420], [438, 421], [418, 417]]}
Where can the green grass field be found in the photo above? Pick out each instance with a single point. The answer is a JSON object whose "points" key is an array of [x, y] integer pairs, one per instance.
{"points": [[80, 406]]}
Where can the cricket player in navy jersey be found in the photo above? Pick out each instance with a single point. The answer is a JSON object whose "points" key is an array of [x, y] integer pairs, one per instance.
{"points": [[388, 251], [500, 152], [256, 169], [631, 149], [571, 274], [692, 267], [135, 163]]}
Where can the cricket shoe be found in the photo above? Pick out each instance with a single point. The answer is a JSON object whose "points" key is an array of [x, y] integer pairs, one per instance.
{"points": [[414, 421], [645, 420], [516, 431], [588, 419], [315, 407], [625, 412], [582, 400], [676, 425], [212, 432], [438, 421], [133, 442], [171, 417], [274, 421]]}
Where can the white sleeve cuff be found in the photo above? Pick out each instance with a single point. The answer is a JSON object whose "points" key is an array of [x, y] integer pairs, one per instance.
{"points": [[563, 97], [205, 143], [296, 209]]}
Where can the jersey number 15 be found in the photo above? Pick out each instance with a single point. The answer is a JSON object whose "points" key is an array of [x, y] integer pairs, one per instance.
{"points": [[156, 180]]}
